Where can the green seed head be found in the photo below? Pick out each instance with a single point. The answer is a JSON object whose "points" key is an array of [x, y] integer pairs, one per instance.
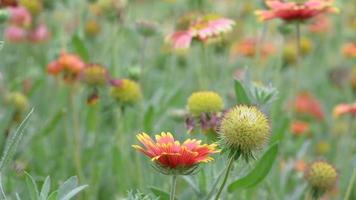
{"points": [[244, 129], [128, 92], [321, 176], [18, 100], [204, 102]]}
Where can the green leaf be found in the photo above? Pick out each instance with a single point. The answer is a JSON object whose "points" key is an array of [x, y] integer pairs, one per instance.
{"points": [[240, 93], [148, 119], [80, 47], [32, 187], [260, 171], [45, 188], [67, 186], [160, 193], [73, 192]]}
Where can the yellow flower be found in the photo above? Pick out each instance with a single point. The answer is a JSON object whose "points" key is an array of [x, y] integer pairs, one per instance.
{"points": [[18, 100], [321, 176], [204, 102], [127, 92], [244, 129]]}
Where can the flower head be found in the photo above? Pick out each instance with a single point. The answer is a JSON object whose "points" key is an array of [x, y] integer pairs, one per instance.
{"points": [[293, 11], [20, 16], [244, 129], [308, 105], [204, 102], [39, 34], [126, 91], [202, 29], [94, 75], [349, 50], [70, 65], [18, 100], [248, 48], [15, 34], [172, 157], [299, 128], [321, 177], [342, 109]]}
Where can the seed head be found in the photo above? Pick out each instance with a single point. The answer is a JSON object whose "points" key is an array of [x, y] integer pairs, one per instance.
{"points": [[127, 92], [204, 102]]}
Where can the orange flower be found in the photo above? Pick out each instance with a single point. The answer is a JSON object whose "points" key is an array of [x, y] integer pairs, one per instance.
{"points": [[248, 48], [349, 50], [300, 166], [307, 104], [69, 64], [293, 11], [344, 108], [299, 127], [172, 157]]}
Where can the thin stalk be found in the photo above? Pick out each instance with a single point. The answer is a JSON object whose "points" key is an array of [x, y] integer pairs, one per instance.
{"points": [[173, 187], [349, 187], [229, 167], [298, 48]]}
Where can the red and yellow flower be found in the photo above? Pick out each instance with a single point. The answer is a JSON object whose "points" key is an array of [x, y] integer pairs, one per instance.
{"points": [[172, 157], [294, 11], [69, 64], [344, 108]]}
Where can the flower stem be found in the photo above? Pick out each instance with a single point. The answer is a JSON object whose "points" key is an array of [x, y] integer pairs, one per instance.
{"points": [[173, 187], [229, 167], [298, 49], [349, 188]]}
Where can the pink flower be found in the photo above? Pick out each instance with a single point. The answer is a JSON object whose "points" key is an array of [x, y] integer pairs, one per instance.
{"points": [[291, 11], [40, 34], [20, 16], [15, 34], [209, 26]]}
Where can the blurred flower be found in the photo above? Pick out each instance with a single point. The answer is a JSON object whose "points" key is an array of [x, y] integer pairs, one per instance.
{"points": [[39, 34], [244, 129], [349, 50], [94, 75], [126, 91], [69, 65], [300, 166], [295, 11], [289, 54], [171, 157], [306, 45], [322, 147], [8, 3], [20, 16], [204, 102], [92, 27], [248, 48], [299, 128], [15, 34], [202, 29], [321, 177], [308, 105], [34, 6], [18, 101], [342, 109], [321, 24]]}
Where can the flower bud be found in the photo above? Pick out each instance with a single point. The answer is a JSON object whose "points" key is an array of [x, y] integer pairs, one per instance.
{"points": [[321, 177], [204, 102], [127, 92]]}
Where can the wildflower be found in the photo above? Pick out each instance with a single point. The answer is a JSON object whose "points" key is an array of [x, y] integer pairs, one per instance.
{"points": [[202, 29], [320, 24], [308, 105], [171, 157], [70, 65], [34, 6], [299, 128], [244, 129], [248, 48], [321, 177], [204, 102], [15, 34], [20, 16], [322, 147], [94, 75], [18, 100], [344, 108], [126, 91], [92, 27], [289, 54], [349, 50], [300, 165], [292, 11], [39, 34], [8, 3]]}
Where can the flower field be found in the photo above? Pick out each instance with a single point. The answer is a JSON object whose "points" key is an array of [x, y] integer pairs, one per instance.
{"points": [[177, 99]]}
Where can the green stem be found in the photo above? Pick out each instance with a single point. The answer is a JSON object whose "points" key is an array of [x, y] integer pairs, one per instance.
{"points": [[298, 49], [229, 167], [173, 187], [349, 188]]}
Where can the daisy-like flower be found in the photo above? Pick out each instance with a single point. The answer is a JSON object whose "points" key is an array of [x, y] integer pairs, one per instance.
{"points": [[349, 50], [343, 109], [202, 29], [307, 104], [295, 11], [299, 128], [173, 158], [248, 48]]}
